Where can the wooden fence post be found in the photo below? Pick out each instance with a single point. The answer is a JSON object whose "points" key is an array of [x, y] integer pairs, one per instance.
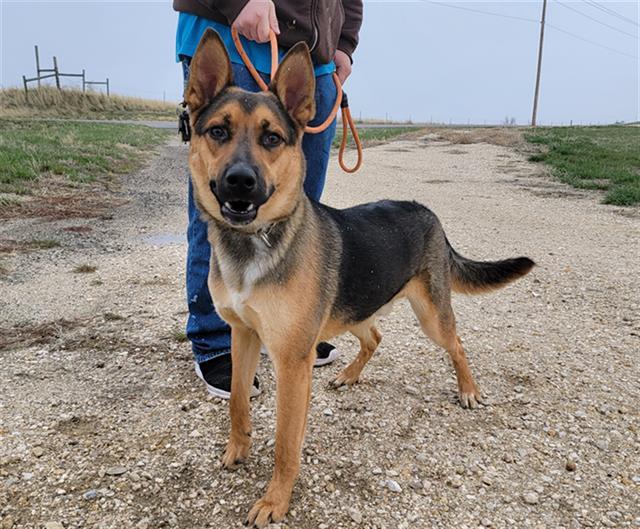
{"points": [[107, 86], [83, 82], [26, 89], [55, 70], [38, 65]]}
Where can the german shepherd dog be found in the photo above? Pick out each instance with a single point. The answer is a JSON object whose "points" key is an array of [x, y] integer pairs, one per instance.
{"points": [[287, 272]]}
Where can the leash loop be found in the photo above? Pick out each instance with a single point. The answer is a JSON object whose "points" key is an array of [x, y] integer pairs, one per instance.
{"points": [[341, 101]]}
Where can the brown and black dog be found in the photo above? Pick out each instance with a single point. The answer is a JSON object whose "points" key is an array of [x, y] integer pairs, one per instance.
{"points": [[287, 272]]}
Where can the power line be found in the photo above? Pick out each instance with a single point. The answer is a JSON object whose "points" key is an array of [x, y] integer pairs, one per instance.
{"points": [[501, 15], [611, 12], [492, 13], [596, 20], [590, 41]]}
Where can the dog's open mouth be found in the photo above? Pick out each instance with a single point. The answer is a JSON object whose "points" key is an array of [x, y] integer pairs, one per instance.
{"points": [[239, 211]]}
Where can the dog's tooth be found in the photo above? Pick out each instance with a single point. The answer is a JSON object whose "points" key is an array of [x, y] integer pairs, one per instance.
{"points": [[227, 205], [251, 207]]}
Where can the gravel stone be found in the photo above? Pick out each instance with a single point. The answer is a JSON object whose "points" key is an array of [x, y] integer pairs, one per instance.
{"points": [[116, 471], [412, 390], [356, 516], [90, 494], [392, 485]]}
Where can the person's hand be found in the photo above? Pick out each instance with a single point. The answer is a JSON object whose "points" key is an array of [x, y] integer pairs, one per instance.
{"points": [[256, 19], [343, 65]]}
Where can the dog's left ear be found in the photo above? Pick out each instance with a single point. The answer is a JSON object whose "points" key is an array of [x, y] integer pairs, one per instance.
{"points": [[295, 84], [209, 72]]}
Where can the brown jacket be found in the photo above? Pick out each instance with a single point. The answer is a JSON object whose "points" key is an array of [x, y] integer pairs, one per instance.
{"points": [[325, 25]]}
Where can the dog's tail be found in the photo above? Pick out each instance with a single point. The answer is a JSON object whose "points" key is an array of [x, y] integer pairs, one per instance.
{"points": [[476, 277]]}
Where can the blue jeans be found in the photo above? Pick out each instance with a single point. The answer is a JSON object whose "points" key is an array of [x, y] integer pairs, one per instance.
{"points": [[210, 336]]}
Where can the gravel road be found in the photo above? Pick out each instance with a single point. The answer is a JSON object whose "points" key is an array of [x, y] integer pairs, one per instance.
{"points": [[103, 423]]}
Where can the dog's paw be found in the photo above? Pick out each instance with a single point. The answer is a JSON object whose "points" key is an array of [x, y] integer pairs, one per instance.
{"points": [[346, 377], [268, 509], [235, 453], [470, 397]]}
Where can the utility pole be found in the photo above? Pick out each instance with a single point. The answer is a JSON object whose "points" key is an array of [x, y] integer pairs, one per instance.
{"points": [[535, 97]]}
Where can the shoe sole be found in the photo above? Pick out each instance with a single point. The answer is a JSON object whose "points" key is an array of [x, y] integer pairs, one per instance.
{"points": [[221, 393]]}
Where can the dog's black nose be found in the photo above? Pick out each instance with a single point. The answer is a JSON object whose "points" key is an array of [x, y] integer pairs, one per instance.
{"points": [[241, 178]]}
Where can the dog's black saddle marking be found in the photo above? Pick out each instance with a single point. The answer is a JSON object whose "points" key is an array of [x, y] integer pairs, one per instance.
{"points": [[383, 247]]}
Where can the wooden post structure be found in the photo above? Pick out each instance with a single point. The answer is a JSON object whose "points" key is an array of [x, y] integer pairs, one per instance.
{"points": [[83, 82], [26, 89], [107, 87], [38, 65], [534, 116], [55, 70]]}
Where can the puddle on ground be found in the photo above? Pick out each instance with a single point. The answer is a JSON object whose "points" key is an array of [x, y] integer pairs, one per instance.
{"points": [[165, 239]]}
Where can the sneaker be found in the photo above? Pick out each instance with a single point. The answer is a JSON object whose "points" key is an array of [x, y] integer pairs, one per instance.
{"points": [[325, 354], [216, 374]]}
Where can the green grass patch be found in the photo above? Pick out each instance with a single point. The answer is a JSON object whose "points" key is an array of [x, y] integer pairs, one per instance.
{"points": [[373, 136], [80, 151], [604, 158]]}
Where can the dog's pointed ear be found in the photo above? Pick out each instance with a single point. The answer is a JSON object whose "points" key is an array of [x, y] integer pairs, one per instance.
{"points": [[209, 72], [295, 84]]}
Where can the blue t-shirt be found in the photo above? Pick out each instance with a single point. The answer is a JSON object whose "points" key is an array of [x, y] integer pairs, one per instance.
{"points": [[192, 27]]}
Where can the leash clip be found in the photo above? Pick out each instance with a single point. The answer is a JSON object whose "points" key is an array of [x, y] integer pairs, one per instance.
{"points": [[184, 126]]}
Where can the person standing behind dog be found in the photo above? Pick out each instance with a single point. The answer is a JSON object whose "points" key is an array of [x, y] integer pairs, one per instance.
{"points": [[330, 28]]}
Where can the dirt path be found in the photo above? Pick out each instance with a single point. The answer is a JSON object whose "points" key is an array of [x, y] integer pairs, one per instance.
{"points": [[104, 424]]}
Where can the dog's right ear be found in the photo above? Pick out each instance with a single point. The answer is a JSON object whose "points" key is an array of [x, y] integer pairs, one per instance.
{"points": [[210, 71]]}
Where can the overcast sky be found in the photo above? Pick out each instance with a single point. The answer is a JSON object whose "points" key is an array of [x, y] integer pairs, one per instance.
{"points": [[421, 60]]}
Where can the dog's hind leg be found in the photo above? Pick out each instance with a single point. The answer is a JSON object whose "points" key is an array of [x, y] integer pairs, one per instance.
{"points": [[432, 306], [369, 338], [245, 353]]}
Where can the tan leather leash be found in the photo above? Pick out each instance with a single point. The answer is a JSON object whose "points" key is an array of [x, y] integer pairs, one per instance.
{"points": [[341, 101]]}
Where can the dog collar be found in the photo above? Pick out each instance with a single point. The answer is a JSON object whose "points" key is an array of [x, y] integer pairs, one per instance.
{"points": [[263, 233]]}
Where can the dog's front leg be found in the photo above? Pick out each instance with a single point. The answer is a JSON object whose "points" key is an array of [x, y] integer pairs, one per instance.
{"points": [[293, 367], [245, 353]]}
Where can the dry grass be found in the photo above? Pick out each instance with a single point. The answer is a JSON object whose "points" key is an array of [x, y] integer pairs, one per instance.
{"points": [[84, 269], [178, 335], [39, 334], [11, 245], [503, 136], [370, 137], [49, 102]]}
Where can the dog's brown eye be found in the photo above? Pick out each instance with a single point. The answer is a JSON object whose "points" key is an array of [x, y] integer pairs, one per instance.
{"points": [[219, 133], [271, 139]]}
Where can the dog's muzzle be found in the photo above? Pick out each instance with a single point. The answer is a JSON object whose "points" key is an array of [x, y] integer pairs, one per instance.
{"points": [[240, 191]]}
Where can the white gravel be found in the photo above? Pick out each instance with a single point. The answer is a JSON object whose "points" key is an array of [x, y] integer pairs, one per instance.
{"points": [[103, 423]]}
